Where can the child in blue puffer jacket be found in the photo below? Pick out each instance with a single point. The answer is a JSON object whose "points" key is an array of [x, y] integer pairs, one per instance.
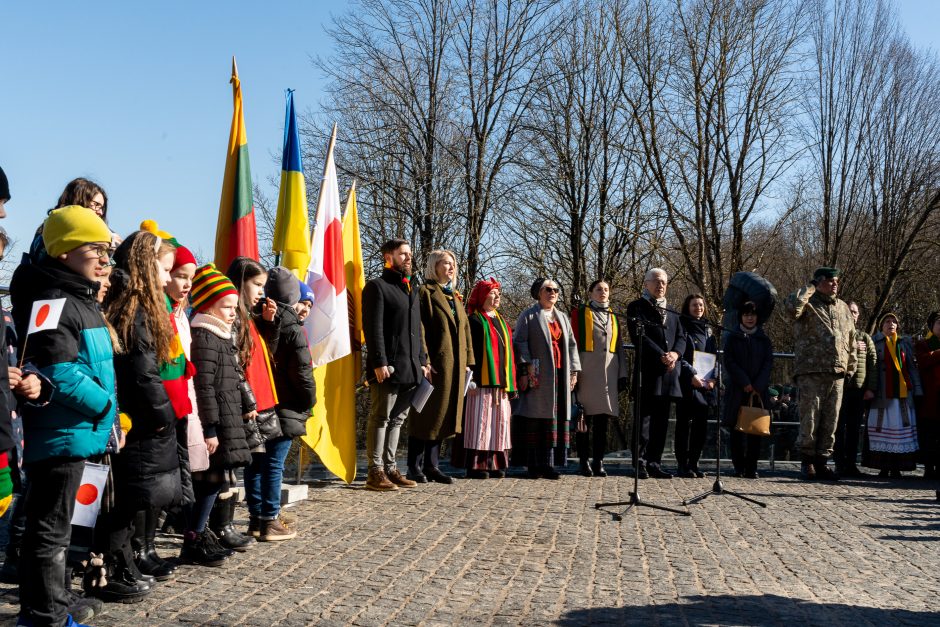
{"points": [[76, 356]]}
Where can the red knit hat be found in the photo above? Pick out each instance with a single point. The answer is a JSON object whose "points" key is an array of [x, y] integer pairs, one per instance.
{"points": [[480, 291], [183, 256]]}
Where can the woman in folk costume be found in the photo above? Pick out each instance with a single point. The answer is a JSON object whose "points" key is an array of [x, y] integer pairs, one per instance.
{"points": [[483, 446], [927, 351], [548, 365], [892, 424], [447, 334], [604, 368]]}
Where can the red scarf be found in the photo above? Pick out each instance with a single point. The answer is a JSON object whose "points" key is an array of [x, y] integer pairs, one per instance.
{"points": [[258, 371]]}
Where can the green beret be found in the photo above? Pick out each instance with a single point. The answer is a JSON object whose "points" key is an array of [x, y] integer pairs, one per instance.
{"points": [[826, 273], [773, 392]]}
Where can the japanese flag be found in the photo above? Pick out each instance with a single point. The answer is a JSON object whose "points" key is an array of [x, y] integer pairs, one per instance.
{"points": [[88, 497], [46, 314]]}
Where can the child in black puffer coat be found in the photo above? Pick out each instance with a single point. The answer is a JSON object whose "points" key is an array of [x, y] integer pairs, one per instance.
{"points": [[223, 405]]}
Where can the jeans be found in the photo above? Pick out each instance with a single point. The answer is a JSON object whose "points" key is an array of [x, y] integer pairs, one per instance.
{"points": [[50, 503], [263, 479], [390, 403]]}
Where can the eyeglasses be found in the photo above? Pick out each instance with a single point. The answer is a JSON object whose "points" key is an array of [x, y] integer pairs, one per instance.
{"points": [[552, 290], [103, 251]]}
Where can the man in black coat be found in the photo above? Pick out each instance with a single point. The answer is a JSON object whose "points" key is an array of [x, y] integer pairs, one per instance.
{"points": [[396, 360], [663, 342]]}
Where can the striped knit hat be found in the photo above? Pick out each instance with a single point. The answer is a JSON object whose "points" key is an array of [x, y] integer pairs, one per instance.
{"points": [[209, 285]]}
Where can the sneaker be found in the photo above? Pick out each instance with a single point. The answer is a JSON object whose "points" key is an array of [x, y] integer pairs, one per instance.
{"points": [[395, 476], [379, 482], [274, 531]]}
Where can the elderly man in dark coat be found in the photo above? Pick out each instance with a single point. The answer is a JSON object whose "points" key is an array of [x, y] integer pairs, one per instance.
{"points": [[663, 343], [396, 358]]}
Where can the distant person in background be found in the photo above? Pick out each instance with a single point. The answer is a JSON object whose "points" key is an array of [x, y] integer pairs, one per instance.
{"points": [[855, 395], [603, 373], [698, 388], [927, 351], [748, 359], [663, 346], [892, 423]]}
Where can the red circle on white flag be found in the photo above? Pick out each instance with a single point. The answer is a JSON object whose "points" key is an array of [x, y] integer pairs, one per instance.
{"points": [[42, 314], [87, 494]]}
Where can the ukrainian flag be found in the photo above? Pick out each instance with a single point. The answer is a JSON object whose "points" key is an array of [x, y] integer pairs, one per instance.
{"points": [[292, 230]]}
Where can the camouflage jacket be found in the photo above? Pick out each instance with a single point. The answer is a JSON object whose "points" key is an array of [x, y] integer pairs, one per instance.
{"points": [[866, 376], [823, 333]]}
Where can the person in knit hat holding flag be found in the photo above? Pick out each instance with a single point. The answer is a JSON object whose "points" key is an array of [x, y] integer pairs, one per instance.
{"points": [[71, 346]]}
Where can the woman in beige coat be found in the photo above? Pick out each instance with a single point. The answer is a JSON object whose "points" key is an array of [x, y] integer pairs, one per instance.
{"points": [[447, 334]]}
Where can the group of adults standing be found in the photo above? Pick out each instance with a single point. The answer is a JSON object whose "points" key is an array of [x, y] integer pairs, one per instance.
{"points": [[457, 368]]}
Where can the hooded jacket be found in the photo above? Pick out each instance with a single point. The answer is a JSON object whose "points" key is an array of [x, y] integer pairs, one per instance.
{"points": [[293, 373], [76, 356]]}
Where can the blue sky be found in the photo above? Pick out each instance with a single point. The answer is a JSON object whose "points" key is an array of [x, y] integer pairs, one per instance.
{"points": [[136, 96]]}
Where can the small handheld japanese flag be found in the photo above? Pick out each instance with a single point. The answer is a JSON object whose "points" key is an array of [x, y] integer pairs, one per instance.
{"points": [[45, 315], [88, 497]]}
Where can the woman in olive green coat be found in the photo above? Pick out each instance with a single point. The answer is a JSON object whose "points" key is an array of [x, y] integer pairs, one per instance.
{"points": [[447, 334]]}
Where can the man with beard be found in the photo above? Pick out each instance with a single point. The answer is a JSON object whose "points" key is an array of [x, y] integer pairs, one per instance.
{"points": [[397, 359]]}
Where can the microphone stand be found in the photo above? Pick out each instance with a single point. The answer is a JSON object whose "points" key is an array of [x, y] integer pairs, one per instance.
{"points": [[635, 500], [718, 488]]}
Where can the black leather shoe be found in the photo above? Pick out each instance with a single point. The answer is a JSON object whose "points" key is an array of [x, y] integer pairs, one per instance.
{"points": [[497, 474], [149, 566], [549, 472], [598, 470], [685, 473], [416, 475], [656, 472], [477, 474], [585, 470], [695, 471], [641, 471], [533, 473], [435, 475]]}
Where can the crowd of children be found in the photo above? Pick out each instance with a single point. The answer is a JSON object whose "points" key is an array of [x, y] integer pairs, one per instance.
{"points": [[169, 375]]}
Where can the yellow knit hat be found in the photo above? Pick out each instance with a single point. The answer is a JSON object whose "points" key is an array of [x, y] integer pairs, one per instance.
{"points": [[70, 227]]}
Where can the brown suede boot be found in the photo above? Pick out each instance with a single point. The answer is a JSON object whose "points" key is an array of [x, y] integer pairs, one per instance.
{"points": [[274, 530], [379, 482], [398, 479]]}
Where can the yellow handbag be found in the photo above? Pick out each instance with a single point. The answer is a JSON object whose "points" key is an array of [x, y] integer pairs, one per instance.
{"points": [[753, 420]]}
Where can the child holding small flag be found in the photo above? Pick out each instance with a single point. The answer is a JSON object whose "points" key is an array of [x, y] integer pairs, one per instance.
{"points": [[66, 338]]}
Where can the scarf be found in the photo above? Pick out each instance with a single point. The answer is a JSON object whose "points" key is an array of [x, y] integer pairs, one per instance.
{"points": [[450, 294], [176, 371], [498, 367], [897, 381], [405, 279], [258, 371], [658, 302], [582, 321], [555, 331]]}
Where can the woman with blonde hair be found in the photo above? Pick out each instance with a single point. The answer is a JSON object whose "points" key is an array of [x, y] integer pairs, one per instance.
{"points": [[447, 334]]}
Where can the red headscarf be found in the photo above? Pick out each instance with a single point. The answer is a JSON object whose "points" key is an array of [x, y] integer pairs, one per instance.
{"points": [[480, 291]]}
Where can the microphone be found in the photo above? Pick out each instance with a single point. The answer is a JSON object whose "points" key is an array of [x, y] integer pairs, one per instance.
{"points": [[370, 376]]}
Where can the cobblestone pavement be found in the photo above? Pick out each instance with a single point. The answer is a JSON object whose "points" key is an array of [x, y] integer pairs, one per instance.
{"points": [[518, 551]]}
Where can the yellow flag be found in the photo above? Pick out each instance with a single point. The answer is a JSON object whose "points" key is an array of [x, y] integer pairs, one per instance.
{"points": [[291, 229], [331, 430]]}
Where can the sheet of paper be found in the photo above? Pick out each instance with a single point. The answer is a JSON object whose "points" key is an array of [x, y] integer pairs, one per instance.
{"points": [[704, 364], [422, 394], [468, 381]]}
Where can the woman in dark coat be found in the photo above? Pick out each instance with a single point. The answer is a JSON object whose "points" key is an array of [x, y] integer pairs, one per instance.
{"points": [[547, 366], [447, 335], [698, 396], [748, 359], [927, 352]]}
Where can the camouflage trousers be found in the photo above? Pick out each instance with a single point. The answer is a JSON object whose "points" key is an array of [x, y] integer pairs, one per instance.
{"points": [[820, 400]]}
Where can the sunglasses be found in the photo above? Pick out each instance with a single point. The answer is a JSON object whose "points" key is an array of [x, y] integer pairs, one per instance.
{"points": [[551, 290]]}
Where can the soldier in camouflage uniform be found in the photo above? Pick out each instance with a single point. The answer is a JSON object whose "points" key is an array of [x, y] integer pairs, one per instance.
{"points": [[824, 344]]}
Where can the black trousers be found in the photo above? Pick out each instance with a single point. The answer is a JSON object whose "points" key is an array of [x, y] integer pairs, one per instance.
{"points": [[653, 428], [50, 503], [691, 426], [845, 450], [745, 451], [597, 428]]}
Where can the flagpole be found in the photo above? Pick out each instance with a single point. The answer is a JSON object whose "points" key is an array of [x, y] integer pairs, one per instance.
{"points": [[329, 151]]}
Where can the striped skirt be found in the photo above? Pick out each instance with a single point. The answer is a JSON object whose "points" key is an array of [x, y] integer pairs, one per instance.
{"points": [[486, 420]]}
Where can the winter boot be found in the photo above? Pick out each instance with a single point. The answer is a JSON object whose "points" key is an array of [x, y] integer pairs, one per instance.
{"points": [[222, 523], [199, 552]]}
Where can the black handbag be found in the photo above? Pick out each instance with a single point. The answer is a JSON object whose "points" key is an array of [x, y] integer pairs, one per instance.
{"points": [[268, 424]]}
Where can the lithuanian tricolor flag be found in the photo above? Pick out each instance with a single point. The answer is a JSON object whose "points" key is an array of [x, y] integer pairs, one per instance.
{"points": [[235, 233], [291, 229]]}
